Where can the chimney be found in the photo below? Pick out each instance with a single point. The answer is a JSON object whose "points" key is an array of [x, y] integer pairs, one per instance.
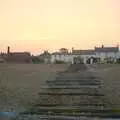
{"points": [[72, 49], [102, 46], [8, 50]]}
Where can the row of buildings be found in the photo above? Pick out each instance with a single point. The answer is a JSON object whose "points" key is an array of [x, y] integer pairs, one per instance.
{"points": [[98, 54], [15, 57]]}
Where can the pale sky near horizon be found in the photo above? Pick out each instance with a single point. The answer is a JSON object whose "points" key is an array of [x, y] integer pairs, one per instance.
{"points": [[35, 25]]}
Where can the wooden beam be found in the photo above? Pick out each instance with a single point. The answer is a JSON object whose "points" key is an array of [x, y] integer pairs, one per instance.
{"points": [[73, 94], [73, 105], [71, 87]]}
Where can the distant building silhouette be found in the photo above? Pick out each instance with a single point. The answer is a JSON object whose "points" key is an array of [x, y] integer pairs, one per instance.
{"points": [[45, 57], [63, 50], [17, 57], [8, 50]]}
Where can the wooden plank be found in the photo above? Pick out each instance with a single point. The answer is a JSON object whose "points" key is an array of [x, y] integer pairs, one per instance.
{"points": [[68, 100], [80, 77], [77, 109], [74, 80], [68, 84], [72, 116], [74, 105], [76, 116], [70, 87], [73, 90], [73, 94]]}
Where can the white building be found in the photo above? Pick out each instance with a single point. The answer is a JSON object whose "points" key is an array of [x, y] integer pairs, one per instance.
{"points": [[45, 57], [63, 50], [100, 53], [107, 52], [118, 55], [69, 57], [65, 57], [84, 54]]}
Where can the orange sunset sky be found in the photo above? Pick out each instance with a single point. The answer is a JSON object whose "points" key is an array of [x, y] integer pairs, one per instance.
{"points": [[35, 25]]}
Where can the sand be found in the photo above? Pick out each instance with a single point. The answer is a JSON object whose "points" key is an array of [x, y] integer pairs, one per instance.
{"points": [[76, 68], [111, 76], [20, 83]]}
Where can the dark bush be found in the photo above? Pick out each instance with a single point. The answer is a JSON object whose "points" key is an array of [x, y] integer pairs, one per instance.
{"points": [[118, 61], [59, 62], [37, 60]]}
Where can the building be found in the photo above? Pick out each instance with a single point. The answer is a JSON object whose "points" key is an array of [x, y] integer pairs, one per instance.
{"points": [[17, 57], [99, 54], [118, 55], [107, 52], [45, 57], [68, 57], [1, 58], [63, 50], [63, 57], [84, 54]]}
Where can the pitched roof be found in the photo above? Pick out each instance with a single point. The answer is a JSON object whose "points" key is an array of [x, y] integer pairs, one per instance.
{"points": [[45, 54], [20, 54], [83, 52], [63, 49], [106, 49], [59, 53]]}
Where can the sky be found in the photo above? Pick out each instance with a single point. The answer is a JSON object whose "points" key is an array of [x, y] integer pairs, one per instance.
{"points": [[37, 25]]}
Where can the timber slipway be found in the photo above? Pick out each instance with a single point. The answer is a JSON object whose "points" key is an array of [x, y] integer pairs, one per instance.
{"points": [[74, 94]]}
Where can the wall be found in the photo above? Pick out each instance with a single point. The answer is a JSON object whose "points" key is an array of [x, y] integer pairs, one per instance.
{"points": [[103, 55], [69, 58], [65, 58], [118, 54]]}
